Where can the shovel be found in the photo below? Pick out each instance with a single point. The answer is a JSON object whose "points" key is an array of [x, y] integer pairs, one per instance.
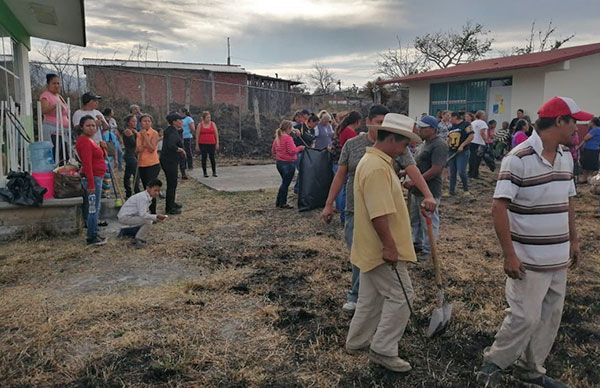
{"points": [[441, 314]]}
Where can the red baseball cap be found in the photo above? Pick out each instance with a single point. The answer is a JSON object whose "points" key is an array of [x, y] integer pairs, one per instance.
{"points": [[563, 106]]}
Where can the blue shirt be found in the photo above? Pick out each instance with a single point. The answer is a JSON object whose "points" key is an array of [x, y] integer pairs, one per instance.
{"points": [[187, 133], [594, 142]]}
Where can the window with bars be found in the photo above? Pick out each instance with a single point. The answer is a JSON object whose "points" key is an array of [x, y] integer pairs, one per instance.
{"points": [[458, 96]]}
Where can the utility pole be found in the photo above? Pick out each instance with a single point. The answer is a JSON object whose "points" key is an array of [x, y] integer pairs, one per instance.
{"points": [[228, 53]]}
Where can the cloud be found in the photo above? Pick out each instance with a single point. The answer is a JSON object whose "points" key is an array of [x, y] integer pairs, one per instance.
{"points": [[287, 37]]}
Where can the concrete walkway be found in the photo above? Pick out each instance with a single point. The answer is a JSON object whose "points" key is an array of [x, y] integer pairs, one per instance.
{"points": [[240, 178]]}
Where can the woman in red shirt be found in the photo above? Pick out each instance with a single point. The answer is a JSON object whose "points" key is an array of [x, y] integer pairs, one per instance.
{"points": [[344, 132], [93, 168], [208, 141], [285, 152]]}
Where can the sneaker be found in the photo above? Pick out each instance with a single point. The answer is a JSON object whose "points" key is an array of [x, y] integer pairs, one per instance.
{"points": [[97, 241], [205, 175], [285, 206], [355, 352], [215, 175], [184, 177], [395, 364], [177, 205], [349, 306], [539, 380], [161, 195], [489, 375], [174, 211], [137, 243]]}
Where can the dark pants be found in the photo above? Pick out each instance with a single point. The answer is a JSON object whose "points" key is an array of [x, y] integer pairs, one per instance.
{"points": [[286, 170], [146, 175], [188, 146], [170, 169], [475, 159], [130, 169], [182, 164], [208, 150], [62, 157]]}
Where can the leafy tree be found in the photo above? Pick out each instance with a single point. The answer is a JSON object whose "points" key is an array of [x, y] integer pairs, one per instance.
{"points": [[444, 49]]}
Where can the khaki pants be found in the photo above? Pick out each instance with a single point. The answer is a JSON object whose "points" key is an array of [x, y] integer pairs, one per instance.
{"points": [[144, 224], [381, 313], [531, 324]]}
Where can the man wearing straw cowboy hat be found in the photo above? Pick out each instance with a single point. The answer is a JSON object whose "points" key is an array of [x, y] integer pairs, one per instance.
{"points": [[382, 246]]}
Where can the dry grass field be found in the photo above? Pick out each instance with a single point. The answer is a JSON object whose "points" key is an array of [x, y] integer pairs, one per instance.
{"points": [[236, 293]]}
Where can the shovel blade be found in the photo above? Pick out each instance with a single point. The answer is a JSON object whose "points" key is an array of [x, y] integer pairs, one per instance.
{"points": [[437, 322], [439, 319]]}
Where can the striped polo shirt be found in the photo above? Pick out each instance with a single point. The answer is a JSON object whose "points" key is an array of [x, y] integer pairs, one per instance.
{"points": [[539, 204]]}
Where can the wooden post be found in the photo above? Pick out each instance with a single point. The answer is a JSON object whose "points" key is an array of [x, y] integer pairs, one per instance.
{"points": [[169, 93], [240, 110], [257, 117], [188, 93], [143, 89]]}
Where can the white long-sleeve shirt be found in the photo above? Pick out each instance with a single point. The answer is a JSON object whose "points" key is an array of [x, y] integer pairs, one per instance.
{"points": [[137, 206]]}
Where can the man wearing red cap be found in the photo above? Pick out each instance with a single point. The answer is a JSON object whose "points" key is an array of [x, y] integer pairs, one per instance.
{"points": [[534, 221]]}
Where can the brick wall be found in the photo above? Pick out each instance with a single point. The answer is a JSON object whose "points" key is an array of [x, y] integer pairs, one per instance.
{"points": [[163, 89]]}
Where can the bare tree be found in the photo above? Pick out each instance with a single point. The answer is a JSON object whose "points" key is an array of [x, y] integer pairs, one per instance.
{"points": [[400, 62], [444, 49], [62, 59], [300, 88], [541, 40], [140, 52], [322, 79]]}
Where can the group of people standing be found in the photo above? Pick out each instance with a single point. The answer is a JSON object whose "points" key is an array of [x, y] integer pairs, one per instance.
{"points": [[101, 146], [384, 234]]}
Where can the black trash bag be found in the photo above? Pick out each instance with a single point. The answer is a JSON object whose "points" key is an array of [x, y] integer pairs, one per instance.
{"points": [[23, 190], [489, 158], [314, 179]]}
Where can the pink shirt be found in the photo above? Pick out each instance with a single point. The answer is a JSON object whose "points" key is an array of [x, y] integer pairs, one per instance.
{"points": [[53, 100], [519, 138], [284, 148]]}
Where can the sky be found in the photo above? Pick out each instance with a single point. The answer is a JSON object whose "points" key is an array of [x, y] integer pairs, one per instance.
{"points": [[288, 37]]}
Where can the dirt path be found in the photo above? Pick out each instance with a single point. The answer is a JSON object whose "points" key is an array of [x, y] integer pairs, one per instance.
{"points": [[237, 293]]}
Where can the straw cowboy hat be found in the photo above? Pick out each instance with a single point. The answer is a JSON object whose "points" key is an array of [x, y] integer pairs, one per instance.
{"points": [[400, 124]]}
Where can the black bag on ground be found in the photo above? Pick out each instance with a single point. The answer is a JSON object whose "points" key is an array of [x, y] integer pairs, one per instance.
{"points": [[489, 158], [314, 179], [23, 190]]}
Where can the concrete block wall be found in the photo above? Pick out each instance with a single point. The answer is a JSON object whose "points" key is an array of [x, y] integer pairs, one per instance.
{"points": [[55, 216]]}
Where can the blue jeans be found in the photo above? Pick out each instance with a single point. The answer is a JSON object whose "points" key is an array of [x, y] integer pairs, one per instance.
{"points": [[91, 219], [458, 166], [419, 225], [287, 171], [352, 295], [340, 200]]}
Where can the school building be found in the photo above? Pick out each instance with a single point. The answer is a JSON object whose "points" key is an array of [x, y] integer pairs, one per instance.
{"points": [[500, 86]]}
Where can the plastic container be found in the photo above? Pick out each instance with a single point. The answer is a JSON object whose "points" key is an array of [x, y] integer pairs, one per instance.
{"points": [[45, 179], [42, 156]]}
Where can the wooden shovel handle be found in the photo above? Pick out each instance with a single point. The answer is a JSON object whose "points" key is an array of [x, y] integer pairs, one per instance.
{"points": [[433, 247]]}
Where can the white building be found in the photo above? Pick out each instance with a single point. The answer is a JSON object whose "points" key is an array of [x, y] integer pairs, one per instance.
{"points": [[500, 86]]}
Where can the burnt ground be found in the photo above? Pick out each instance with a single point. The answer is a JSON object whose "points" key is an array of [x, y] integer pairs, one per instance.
{"points": [[236, 293]]}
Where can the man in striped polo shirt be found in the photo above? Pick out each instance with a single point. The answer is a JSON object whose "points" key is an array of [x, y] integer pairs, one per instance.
{"points": [[534, 220]]}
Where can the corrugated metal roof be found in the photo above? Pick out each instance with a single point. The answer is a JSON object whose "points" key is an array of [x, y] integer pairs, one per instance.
{"points": [[502, 64], [163, 65]]}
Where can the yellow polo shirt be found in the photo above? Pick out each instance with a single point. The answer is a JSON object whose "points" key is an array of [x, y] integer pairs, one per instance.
{"points": [[378, 192]]}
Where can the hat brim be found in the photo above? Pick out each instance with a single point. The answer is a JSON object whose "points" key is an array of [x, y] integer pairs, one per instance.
{"points": [[582, 116], [409, 134]]}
